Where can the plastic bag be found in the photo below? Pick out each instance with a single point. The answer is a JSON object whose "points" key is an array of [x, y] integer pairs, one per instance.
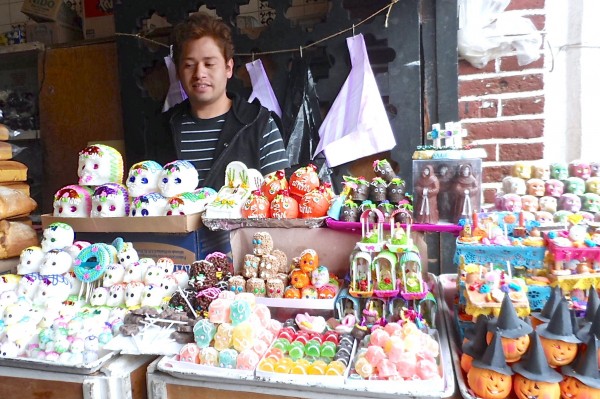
{"points": [[261, 87], [357, 124], [488, 32], [176, 93]]}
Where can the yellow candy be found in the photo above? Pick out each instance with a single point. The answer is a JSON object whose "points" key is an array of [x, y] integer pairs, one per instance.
{"points": [[243, 336], [284, 365], [299, 368], [267, 364], [335, 368], [317, 368], [363, 368], [395, 341], [223, 337]]}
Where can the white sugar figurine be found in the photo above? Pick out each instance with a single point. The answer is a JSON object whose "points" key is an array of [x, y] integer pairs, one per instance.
{"points": [[435, 135], [453, 134]]}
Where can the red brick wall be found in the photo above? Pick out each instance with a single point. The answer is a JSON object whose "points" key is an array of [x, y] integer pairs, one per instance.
{"points": [[502, 106]]}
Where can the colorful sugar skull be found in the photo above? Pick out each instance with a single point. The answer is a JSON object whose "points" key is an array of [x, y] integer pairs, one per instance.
{"points": [[135, 271], [263, 243], [209, 357], [177, 177], [190, 353], [591, 202], [275, 288], [152, 295], [303, 181], [30, 260], [562, 216], [328, 291], [224, 337], [575, 185], [204, 332], [587, 216], [240, 311], [100, 164], [514, 185], [554, 188], [167, 264], [592, 185], [56, 262], [143, 178], [133, 293], [569, 202], [236, 284], [540, 171], [309, 260], [274, 182], [189, 202], [522, 170], [544, 217], [110, 200], [126, 254], [580, 169], [511, 203], [57, 236], [73, 201], [559, 171], [154, 275], [116, 295], [243, 336], [548, 204], [182, 278], [536, 187], [52, 291], [256, 286], [228, 358], [28, 285], [218, 311], [595, 169], [268, 267], [284, 206], [99, 296], [256, 206], [309, 293], [114, 274], [169, 285], [319, 276], [151, 204], [529, 203], [315, 204], [250, 266]]}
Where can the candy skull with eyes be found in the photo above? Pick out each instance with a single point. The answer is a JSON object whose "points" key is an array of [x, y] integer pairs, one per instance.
{"points": [[554, 188], [151, 204], [204, 332], [114, 274], [56, 262], [169, 285], [133, 293], [73, 201], [256, 286], [28, 285], [100, 164], [99, 296], [309, 260], [595, 169], [189, 202], [544, 217], [569, 202], [548, 204], [189, 353], [575, 185], [224, 336], [522, 170], [218, 310], [116, 295], [52, 291], [167, 265], [559, 171], [592, 185], [143, 178], [591, 202], [540, 171], [319, 276], [127, 254], [512, 203], [110, 200], [57, 236], [273, 183], [152, 295], [580, 169], [303, 181], [263, 243], [135, 272], [177, 177], [514, 185], [30, 260], [237, 284], [536, 187]]}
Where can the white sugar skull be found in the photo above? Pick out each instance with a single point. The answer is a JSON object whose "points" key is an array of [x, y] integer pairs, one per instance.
{"points": [[9, 282], [110, 200], [554, 188], [9, 349], [536, 187], [540, 171], [57, 236], [580, 169], [548, 204], [513, 185], [114, 274], [28, 285], [133, 293], [591, 202], [14, 313], [99, 164], [154, 275], [56, 261], [135, 272], [146, 262], [169, 285], [99, 296], [73, 201], [569, 202], [595, 169], [143, 178], [511, 203], [152, 295], [76, 248], [544, 217], [52, 291], [167, 264], [127, 254], [30, 260], [188, 202], [152, 204], [177, 177], [182, 278], [6, 298], [592, 185], [116, 295], [74, 281]]}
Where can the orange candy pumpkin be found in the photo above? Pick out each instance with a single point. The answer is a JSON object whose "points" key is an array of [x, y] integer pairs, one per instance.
{"points": [[299, 279], [525, 388], [571, 387], [292, 293], [256, 206], [489, 384], [314, 204], [513, 348], [558, 353], [273, 184], [303, 181], [309, 260], [284, 206]]}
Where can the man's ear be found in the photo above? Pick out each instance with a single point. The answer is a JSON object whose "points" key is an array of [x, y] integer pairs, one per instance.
{"points": [[229, 68]]}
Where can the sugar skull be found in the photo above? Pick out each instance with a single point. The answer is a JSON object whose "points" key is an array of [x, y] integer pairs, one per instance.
{"points": [[243, 336], [110, 200], [189, 202], [224, 336], [30, 260], [587, 216], [169, 285], [569, 202], [189, 353], [592, 185], [522, 170], [56, 262], [548, 204], [239, 312], [256, 286], [273, 183], [73, 201], [57, 236], [540, 171], [562, 216], [74, 282], [309, 260], [536, 187], [250, 266], [151, 204], [182, 278], [268, 267], [152, 295], [10, 349], [514, 185], [114, 274], [209, 357], [284, 206], [99, 296], [575, 185], [303, 181], [299, 279], [319, 276], [100, 164], [228, 358], [154, 275], [116, 295], [328, 291], [309, 293], [554, 188], [275, 288], [595, 169], [133, 293], [580, 169], [143, 178], [559, 171], [52, 291], [591, 202], [263, 243], [236, 284], [511, 203], [28, 285], [315, 204], [177, 177], [256, 206], [135, 272], [218, 310], [204, 332]]}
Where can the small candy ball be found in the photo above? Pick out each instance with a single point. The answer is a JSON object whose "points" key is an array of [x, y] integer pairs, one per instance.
{"points": [[364, 368]]}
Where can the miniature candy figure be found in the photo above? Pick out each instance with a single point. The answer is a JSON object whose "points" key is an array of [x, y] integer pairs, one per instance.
{"points": [[544, 217], [514, 185], [177, 177], [512, 330], [73, 201], [559, 171], [319, 276], [30, 260], [52, 291], [569, 202], [595, 169], [100, 164], [99, 296], [427, 188], [490, 377], [309, 260], [169, 285], [580, 169], [395, 190], [236, 284], [224, 336], [154, 274], [536, 187], [554, 188], [152, 295], [582, 379], [114, 274], [378, 190], [239, 312], [284, 206], [548, 204], [529, 203], [126, 254], [243, 336], [590, 202], [110, 200], [540, 171], [190, 353], [263, 243], [349, 212], [309, 293], [256, 206], [522, 170], [273, 183], [557, 337], [275, 288], [116, 295], [27, 287], [57, 236], [268, 267], [250, 266], [151, 204], [135, 272], [256, 286], [314, 204], [133, 293], [575, 185], [56, 262], [512, 203], [204, 332], [143, 178], [303, 181], [384, 170], [466, 190], [592, 185]]}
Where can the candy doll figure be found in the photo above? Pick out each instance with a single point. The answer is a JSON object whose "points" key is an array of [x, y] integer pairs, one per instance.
{"points": [[110, 200], [73, 202], [383, 169], [557, 337], [427, 189], [177, 177], [466, 191], [559, 171], [99, 164], [143, 178]]}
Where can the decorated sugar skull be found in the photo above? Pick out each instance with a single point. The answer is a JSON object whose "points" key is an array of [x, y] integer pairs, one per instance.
{"points": [[315, 204], [114, 274], [275, 288], [167, 265], [559, 171], [319, 276], [169, 285], [540, 171], [590, 202], [514, 185], [569, 202], [151, 204], [592, 185], [595, 169], [554, 188], [511, 202], [9, 282], [309, 260], [100, 164], [575, 185], [57, 236], [99, 296], [224, 336], [529, 203], [273, 183], [110, 200], [548, 204], [239, 312], [143, 178], [177, 177], [182, 277], [579, 168], [189, 202], [154, 275], [28, 285], [52, 291], [135, 272], [256, 206], [127, 254], [116, 295], [189, 353], [586, 215], [536, 187], [30, 260], [263, 243], [152, 295], [133, 293], [56, 261], [218, 310], [562, 216], [303, 181], [10, 349], [522, 170], [228, 358], [204, 332], [73, 201]]}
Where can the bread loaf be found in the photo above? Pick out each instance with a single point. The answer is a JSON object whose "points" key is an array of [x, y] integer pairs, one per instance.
{"points": [[14, 203], [5, 151], [4, 132], [15, 237], [12, 171], [19, 186]]}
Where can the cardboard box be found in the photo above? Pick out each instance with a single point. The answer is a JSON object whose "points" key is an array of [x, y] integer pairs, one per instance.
{"points": [[98, 19], [9, 266], [52, 33], [50, 10], [153, 224]]}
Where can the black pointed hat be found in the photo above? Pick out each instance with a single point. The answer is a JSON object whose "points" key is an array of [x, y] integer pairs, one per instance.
{"points": [[493, 358], [585, 367], [546, 313], [559, 327], [592, 305], [475, 347], [574, 323], [534, 365], [590, 329], [508, 324]]}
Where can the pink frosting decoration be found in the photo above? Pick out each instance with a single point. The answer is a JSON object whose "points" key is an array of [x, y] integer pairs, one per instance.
{"points": [[374, 355], [247, 360]]}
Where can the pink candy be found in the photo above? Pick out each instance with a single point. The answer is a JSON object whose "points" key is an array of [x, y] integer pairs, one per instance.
{"points": [[374, 355], [247, 360], [407, 365], [386, 369], [274, 326], [260, 347], [427, 369], [393, 328], [263, 313], [379, 337]]}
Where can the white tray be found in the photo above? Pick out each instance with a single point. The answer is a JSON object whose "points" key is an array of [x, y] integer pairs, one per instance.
{"points": [[187, 370], [137, 345], [47, 365], [321, 304]]}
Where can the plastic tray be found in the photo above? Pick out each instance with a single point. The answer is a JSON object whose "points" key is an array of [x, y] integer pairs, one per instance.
{"points": [[145, 345], [187, 370], [46, 365], [431, 228], [232, 224]]}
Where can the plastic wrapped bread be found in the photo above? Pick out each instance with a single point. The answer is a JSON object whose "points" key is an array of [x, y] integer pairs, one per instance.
{"points": [[15, 237], [14, 203]]}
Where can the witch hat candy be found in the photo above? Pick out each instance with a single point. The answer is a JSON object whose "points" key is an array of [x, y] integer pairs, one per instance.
{"points": [[590, 329], [490, 376], [592, 305], [475, 347], [534, 366], [574, 323], [586, 367], [493, 358], [551, 304], [558, 340], [508, 324]]}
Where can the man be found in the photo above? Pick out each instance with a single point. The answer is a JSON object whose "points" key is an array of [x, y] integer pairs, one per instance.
{"points": [[212, 127]]}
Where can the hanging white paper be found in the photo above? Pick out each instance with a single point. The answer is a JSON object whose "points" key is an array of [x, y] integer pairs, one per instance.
{"points": [[176, 93], [261, 87]]}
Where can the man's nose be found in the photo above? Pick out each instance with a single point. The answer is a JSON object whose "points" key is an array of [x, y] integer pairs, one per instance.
{"points": [[199, 71]]}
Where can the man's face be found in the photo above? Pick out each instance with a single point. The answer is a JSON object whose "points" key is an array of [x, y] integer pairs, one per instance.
{"points": [[203, 72]]}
